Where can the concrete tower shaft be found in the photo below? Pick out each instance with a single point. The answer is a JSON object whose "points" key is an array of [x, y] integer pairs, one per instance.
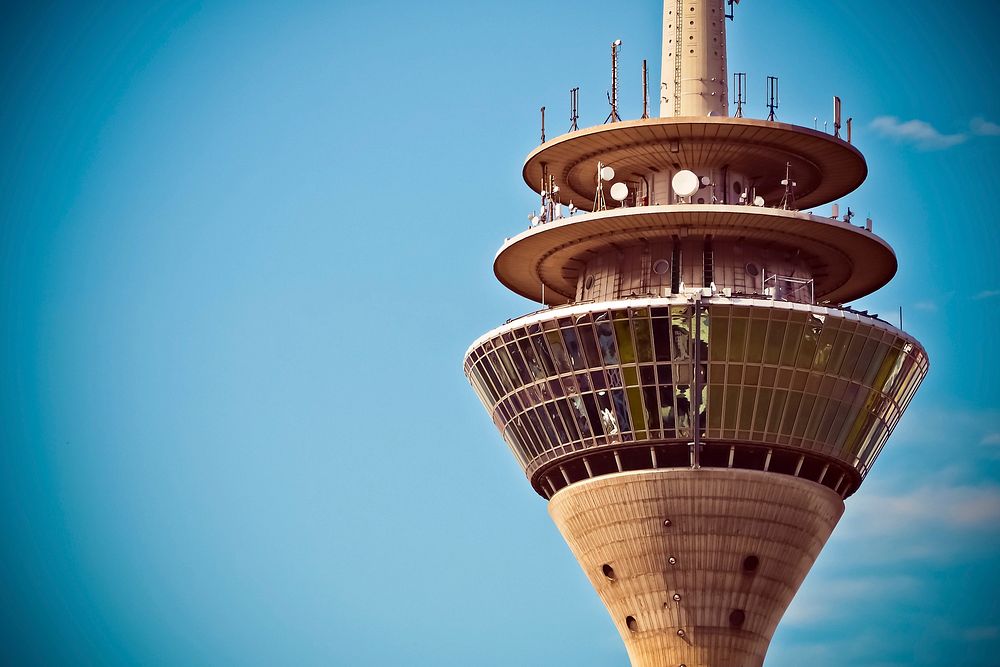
{"points": [[693, 77]]}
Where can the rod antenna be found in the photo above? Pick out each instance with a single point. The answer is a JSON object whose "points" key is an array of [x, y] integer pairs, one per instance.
{"points": [[574, 108], [740, 84], [613, 117], [772, 96], [645, 89]]}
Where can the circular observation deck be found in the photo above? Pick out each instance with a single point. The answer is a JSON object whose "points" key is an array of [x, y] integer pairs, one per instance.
{"points": [[847, 262], [824, 167]]}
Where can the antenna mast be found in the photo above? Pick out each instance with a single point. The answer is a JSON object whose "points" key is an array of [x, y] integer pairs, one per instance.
{"points": [[645, 90], [574, 111], [740, 84], [543, 124], [613, 117], [836, 116], [772, 96]]}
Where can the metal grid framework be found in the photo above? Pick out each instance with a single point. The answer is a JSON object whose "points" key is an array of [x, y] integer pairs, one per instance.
{"points": [[586, 378]]}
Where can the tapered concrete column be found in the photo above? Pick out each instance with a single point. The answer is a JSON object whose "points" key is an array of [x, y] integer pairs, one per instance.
{"points": [[693, 78], [696, 567]]}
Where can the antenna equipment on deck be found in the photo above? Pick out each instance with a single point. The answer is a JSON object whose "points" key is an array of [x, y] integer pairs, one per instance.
{"points": [[619, 192], [849, 121], [645, 89], [543, 124], [740, 84], [613, 117], [685, 183], [604, 173], [730, 14], [836, 116], [574, 108], [772, 96], [789, 198]]}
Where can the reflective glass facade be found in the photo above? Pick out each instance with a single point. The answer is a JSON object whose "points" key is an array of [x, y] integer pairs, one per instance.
{"points": [[589, 377]]}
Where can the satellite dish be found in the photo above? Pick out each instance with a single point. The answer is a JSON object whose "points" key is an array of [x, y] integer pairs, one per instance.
{"points": [[705, 180], [685, 183], [758, 201], [607, 173], [619, 191], [535, 220]]}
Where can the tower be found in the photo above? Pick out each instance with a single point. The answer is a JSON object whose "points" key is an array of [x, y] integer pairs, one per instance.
{"points": [[694, 399]]}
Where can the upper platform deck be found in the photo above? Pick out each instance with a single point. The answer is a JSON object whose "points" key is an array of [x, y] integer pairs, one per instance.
{"points": [[824, 167], [846, 261]]}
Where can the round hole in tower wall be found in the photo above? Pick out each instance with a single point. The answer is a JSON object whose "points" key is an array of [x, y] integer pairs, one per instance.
{"points": [[608, 571], [737, 617], [660, 267], [588, 283], [752, 269], [737, 187], [633, 626], [751, 563]]}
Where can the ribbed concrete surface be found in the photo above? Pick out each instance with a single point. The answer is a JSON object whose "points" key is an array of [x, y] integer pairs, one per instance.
{"points": [[717, 518]]}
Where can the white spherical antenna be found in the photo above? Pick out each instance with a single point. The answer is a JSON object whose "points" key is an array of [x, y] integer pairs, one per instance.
{"points": [[607, 173], [685, 183], [535, 220], [705, 180], [758, 201], [619, 191]]}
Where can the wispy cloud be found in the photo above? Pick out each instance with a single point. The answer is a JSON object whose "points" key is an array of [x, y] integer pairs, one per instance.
{"points": [[927, 306], [985, 128], [987, 294], [990, 439], [917, 132]]}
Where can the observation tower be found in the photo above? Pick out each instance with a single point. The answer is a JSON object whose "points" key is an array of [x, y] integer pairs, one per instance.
{"points": [[694, 399]]}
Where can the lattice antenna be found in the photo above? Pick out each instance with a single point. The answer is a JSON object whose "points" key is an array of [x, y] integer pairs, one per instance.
{"points": [[740, 84], [543, 124], [730, 14], [772, 96], [574, 109], [613, 117], [788, 200], [645, 89]]}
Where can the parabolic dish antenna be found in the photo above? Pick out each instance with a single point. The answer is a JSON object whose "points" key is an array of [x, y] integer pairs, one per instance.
{"points": [[607, 173], [758, 201], [685, 183], [619, 191]]}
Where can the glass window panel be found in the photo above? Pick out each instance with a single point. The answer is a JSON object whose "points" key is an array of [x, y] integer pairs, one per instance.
{"points": [[661, 339], [682, 411], [647, 375], [586, 333], [774, 415], [542, 351], [802, 419], [593, 413], [767, 375], [631, 376], [680, 335], [747, 398], [666, 393], [791, 411], [790, 347], [580, 415], [569, 419], [643, 340], [824, 347], [737, 339], [755, 340], [626, 349], [598, 379], [715, 408], [751, 375], [807, 349], [731, 408], [530, 359], [574, 348], [606, 339], [559, 354], [636, 412], [609, 421], [718, 343], [652, 408], [772, 348], [760, 412], [875, 368], [854, 351], [621, 409], [664, 373], [522, 370]]}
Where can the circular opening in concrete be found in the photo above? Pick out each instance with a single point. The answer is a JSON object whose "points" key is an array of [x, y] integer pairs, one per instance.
{"points": [[672, 560], [661, 266], [630, 621], [608, 571], [737, 617], [667, 523], [677, 597], [751, 563], [589, 282]]}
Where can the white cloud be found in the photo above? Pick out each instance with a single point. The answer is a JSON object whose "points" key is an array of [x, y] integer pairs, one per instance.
{"points": [[987, 294], [990, 439], [985, 128], [984, 633], [928, 306], [843, 596], [920, 133]]}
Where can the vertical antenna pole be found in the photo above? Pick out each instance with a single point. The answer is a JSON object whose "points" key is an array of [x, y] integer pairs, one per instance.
{"points": [[772, 96], [740, 83], [901, 318], [836, 116], [574, 111], [645, 90], [543, 124], [849, 121], [613, 117]]}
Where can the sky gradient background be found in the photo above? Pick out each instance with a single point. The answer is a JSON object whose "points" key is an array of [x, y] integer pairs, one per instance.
{"points": [[244, 246]]}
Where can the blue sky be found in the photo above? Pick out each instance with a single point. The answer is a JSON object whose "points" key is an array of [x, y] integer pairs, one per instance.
{"points": [[244, 246]]}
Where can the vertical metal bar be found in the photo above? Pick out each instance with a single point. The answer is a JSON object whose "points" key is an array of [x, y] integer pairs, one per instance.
{"points": [[695, 384]]}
